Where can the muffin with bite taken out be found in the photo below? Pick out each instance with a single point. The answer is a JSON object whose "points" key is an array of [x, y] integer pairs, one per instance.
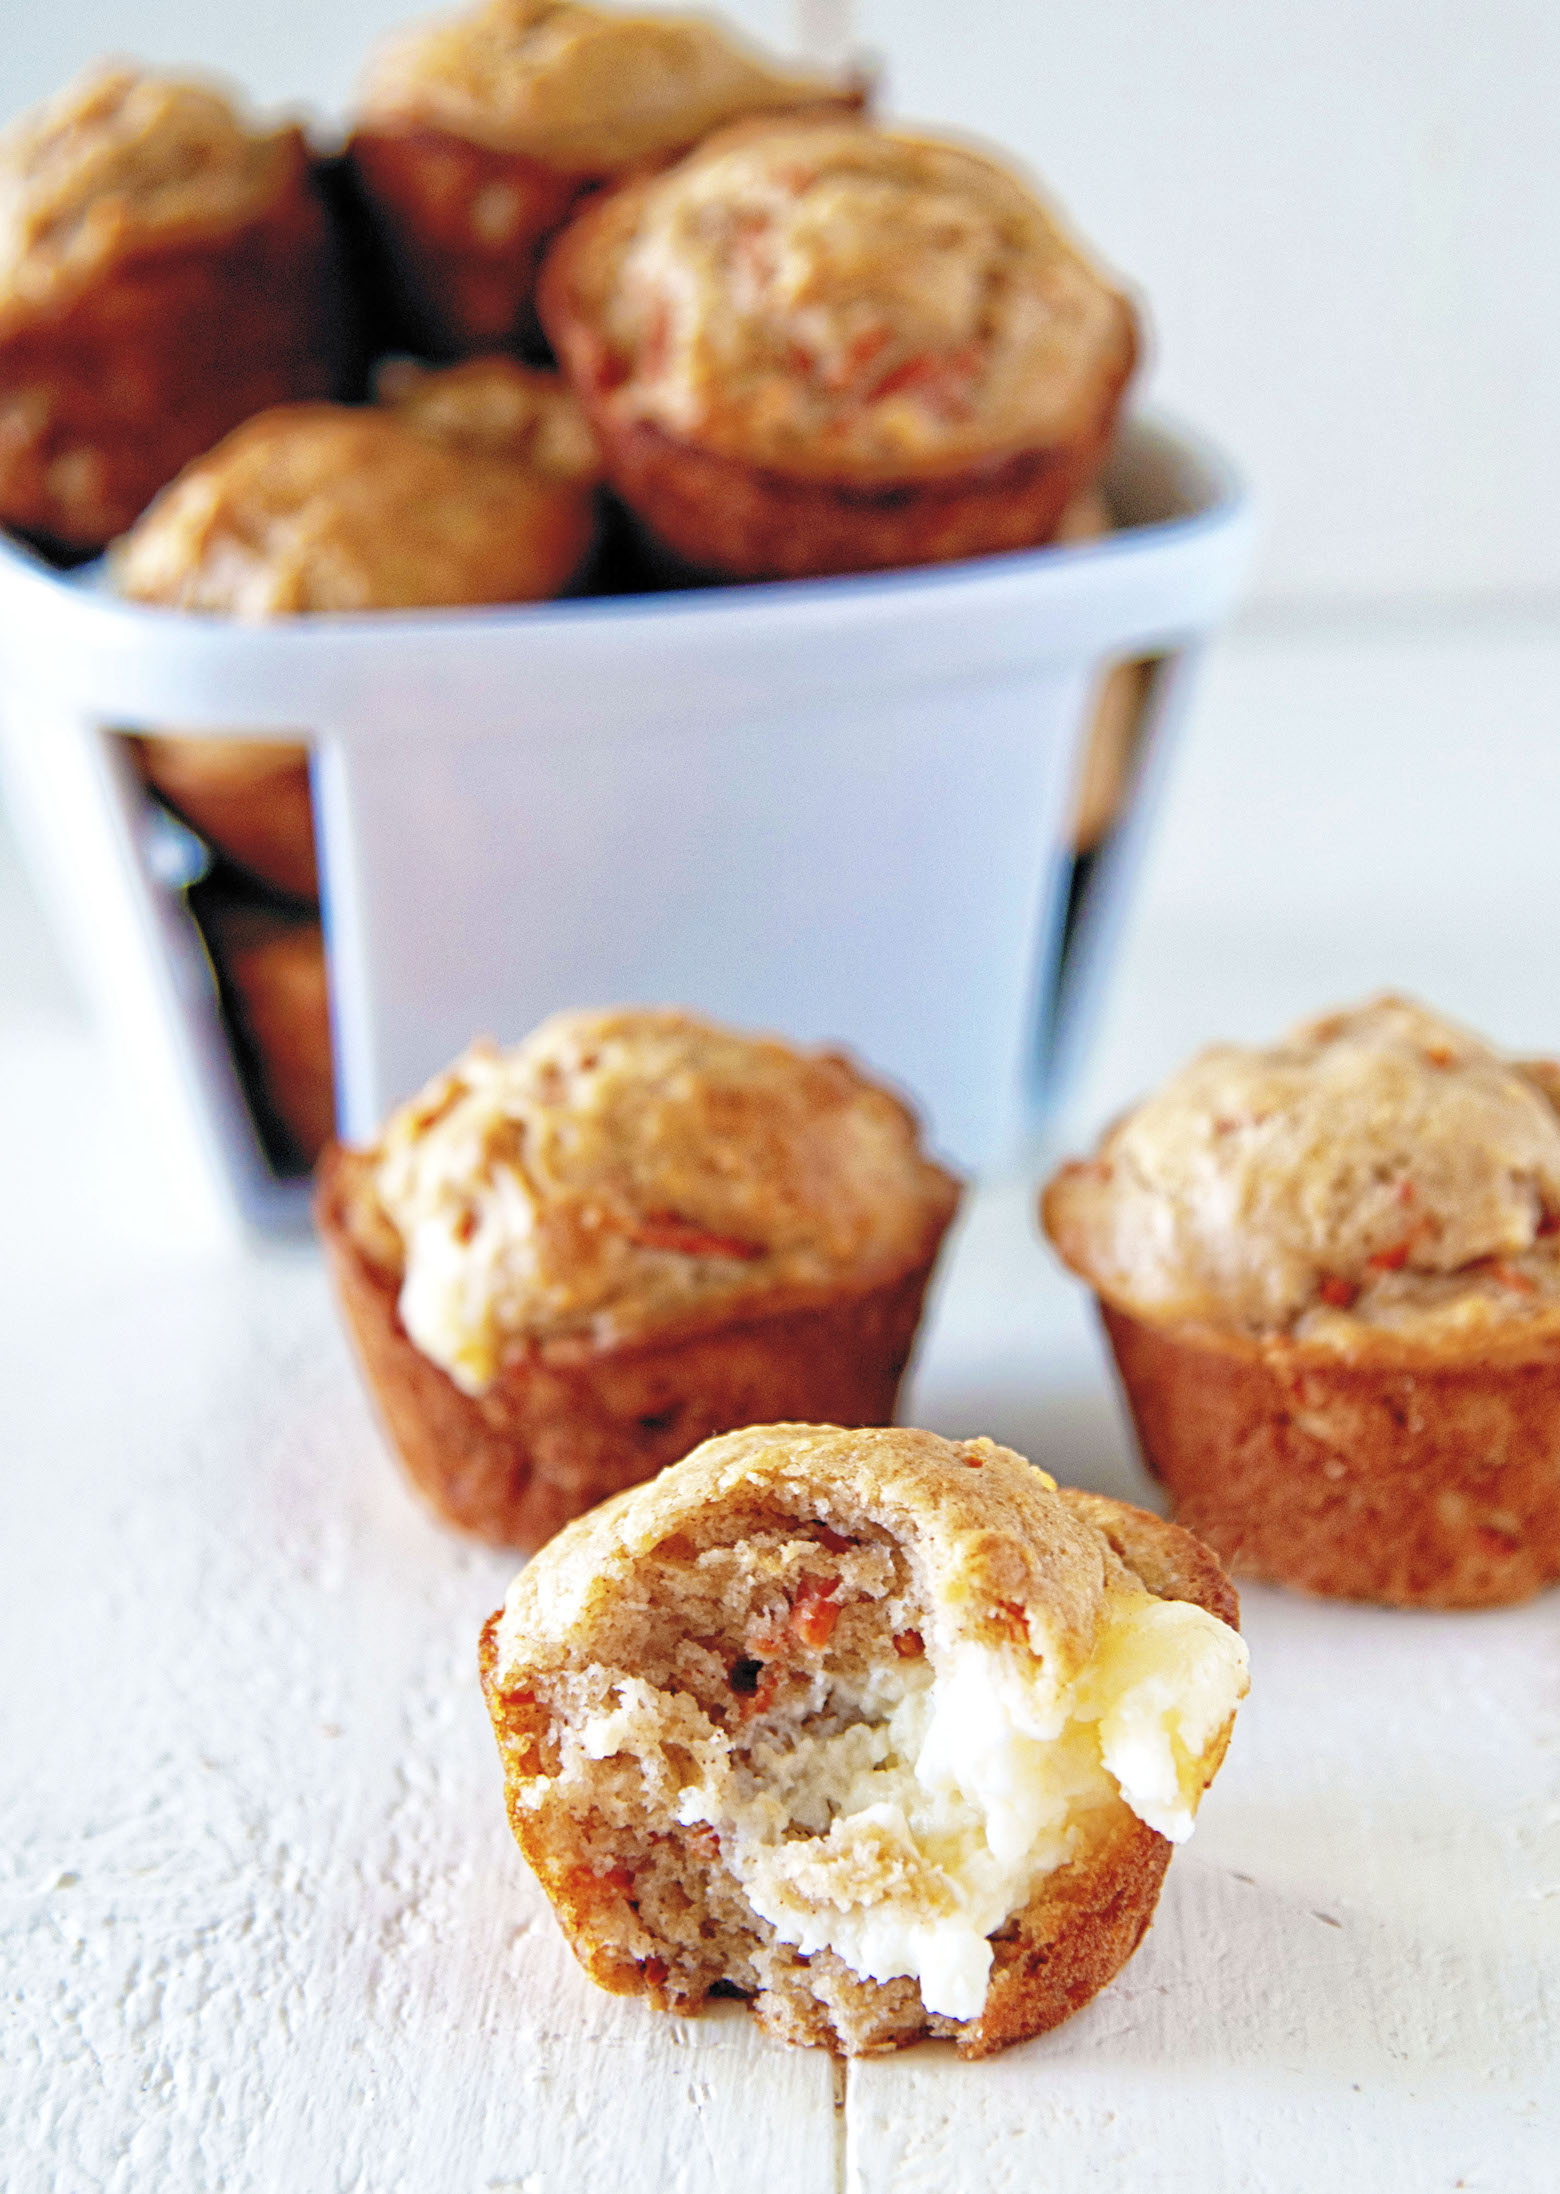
{"points": [[885, 1733], [1330, 1274]]}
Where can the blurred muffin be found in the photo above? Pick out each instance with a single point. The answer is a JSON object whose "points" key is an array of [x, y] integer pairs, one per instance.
{"points": [[164, 273], [814, 346], [1330, 1272], [470, 486], [885, 1733], [248, 798], [270, 968], [566, 1264], [323, 507], [479, 132]]}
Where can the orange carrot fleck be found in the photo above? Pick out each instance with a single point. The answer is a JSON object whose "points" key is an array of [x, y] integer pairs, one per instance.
{"points": [[669, 1230], [1338, 1293], [1390, 1260], [815, 1612], [909, 1644], [1011, 1615]]}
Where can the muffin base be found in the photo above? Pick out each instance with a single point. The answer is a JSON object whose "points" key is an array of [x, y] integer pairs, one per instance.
{"points": [[728, 520], [271, 970], [249, 798], [108, 398], [462, 229], [559, 1429], [1411, 1481]]}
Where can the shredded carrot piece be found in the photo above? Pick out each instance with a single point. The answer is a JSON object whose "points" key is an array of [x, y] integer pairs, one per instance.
{"points": [[909, 1644], [1390, 1260], [815, 1612], [1338, 1293], [670, 1230]]}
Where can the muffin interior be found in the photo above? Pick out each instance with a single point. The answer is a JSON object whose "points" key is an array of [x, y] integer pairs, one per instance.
{"points": [[776, 1765]]}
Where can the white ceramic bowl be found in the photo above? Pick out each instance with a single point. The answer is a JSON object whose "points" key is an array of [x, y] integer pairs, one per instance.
{"points": [[831, 808]]}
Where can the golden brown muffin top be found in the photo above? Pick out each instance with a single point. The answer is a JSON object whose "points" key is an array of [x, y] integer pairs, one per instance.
{"points": [[639, 1170], [819, 296], [498, 406], [585, 90], [467, 488], [122, 162], [1001, 1555], [1380, 1168]]}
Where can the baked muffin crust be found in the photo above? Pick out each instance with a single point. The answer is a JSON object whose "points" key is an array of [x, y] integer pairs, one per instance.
{"points": [[119, 163], [826, 299], [310, 508], [164, 274], [882, 1730], [588, 91], [638, 1171], [1380, 1177]]}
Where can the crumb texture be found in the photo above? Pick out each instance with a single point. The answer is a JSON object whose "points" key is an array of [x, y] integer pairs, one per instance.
{"points": [[638, 1171], [880, 1730], [1379, 1171]]}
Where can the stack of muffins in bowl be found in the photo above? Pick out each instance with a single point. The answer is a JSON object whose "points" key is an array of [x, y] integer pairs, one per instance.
{"points": [[783, 340]]}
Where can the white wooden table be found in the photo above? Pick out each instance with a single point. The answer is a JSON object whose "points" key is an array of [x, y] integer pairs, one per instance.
{"points": [[264, 1924]]}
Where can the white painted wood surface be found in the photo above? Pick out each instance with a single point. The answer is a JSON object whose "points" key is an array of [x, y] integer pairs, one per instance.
{"points": [[263, 1924]]}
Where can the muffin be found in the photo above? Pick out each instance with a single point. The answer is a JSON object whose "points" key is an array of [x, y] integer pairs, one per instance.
{"points": [[566, 1264], [815, 346], [327, 507], [164, 273], [1330, 1273], [270, 967], [248, 798], [471, 486], [885, 1733], [478, 134]]}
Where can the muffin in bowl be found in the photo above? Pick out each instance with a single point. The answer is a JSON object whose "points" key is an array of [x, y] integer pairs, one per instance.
{"points": [[1330, 1274], [566, 1264], [478, 133], [164, 272], [468, 486], [269, 962], [816, 346], [427, 501], [885, 1733]]}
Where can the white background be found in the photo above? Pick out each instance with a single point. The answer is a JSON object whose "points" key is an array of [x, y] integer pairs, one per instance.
{"points": [[1343, 215]]}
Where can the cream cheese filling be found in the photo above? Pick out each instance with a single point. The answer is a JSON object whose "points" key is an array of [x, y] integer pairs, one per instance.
{"points": [[923, 1809]]}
